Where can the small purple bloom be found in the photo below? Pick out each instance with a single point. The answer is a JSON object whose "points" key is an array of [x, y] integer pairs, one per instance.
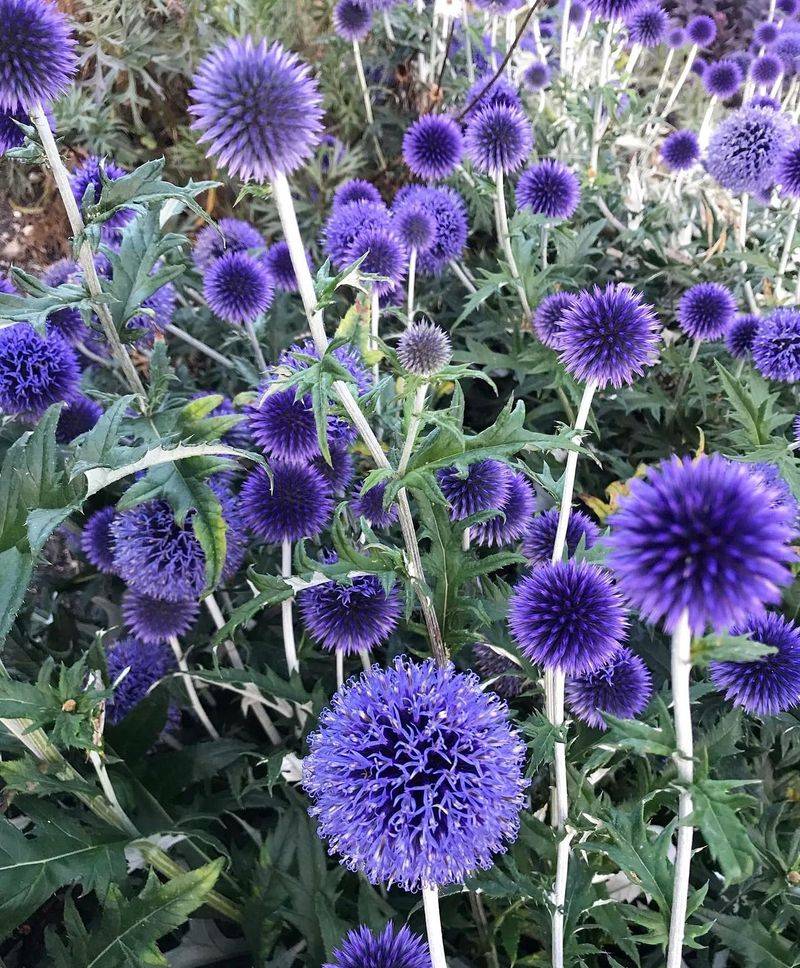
{"points": [[237, 288], [348, 223], [230, 235], [97, 540], [389, 949], [76, 418], [416, 227], [612, 9], [92, 171], [706, 310], [433, 146], [537, 76], [740, 335], [424, 348], [370, 506], [648, 24], [37, 53], [146, 664], [498, 138], [449, 213], [513, 519], [620, 687], [350, 618], [283, 426], [154, 620], [340, 472], [549, 188], [676, 37], [537, 544], [356, 190], [501, 91], [776, 346], [35, 371], [383, 254], [11, 135], [483, 486], [723, 78], [788, 173], [351, 20], [278, 263], [680, 150], [347, 355], [549, 316], [701, 30], [765, 70], [295, 503], [766, 33], [67, 322]]}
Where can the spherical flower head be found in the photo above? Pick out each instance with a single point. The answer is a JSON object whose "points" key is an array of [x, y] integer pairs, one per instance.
{"points": [[723, 78], [346, 354], [237, 287], [764, 101], [449, 213], [548, 318], [549, 188], [483, 486], [11, 135], [680, 150], [771, 684], [383, 255], [389, 949], [513, 519], [426, 729], [424, 348], [745, 150], [740, 335], [37, 53], [787, 47], [348, 223], [608, 336], [146, 664], [648, 24], [76, 418], [538, 542], [706, 310], [765, 70], [702, 30], [340, 472], [620, 687], [278, 263], [781, 494], [612, 9], [356, 190], [498, 138], [229, 235], [35, 371], [153, 620], [351, 20], [91, 172], [567, 616], [350, 618], [577, 13], [776, 346], [295, 503], [256, 108], [501, 91], [490, 664], [369, 506], [766, 33], [283, 426], [788, 172], [676, 38], [537, 76], [416, 227], [788, 7], [97, 540], [700, 536], [433, 146]]}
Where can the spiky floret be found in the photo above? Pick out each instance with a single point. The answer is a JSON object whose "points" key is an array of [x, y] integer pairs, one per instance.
{"points": [[97, 540], [482, 486], [229, 235], [76, 418], [723, 78], [776, 345], [549, 316], [146, 664], [351, 20], [11, 135], [680, 150], [352, 617], [296, 502], [498, 138], [35, 371], [237, 287], [154, 620], [356, 190], [37, 53], [424, 348], [745, 150], [741, 334], [449, 213], [620, 687], [347, 223], [513, 518], [369, 506], [788, 173], [391, 948], [648, 24], [383, 254], [537, 544], [549, 188], [706, 310], [433, 146], [92, 171]]}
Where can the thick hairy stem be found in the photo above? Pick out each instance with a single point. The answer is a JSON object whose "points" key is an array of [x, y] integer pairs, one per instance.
{"points": [[412, 271], [505, 242], [191, 692], [198, 344], [682, 713], [85, 257], [258, 353], [289, 647], [417, 407], [362, 80], [433, 925]]}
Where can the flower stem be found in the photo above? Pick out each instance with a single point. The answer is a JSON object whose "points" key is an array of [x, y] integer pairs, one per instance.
{"points": [[191, 692], [289, 647], [545, 239], [198, 344], [705, 127], [339, 668], [788, 245], [565, 29], [417, 408], [505, 242], [673, 97], [433, 925], [468, 46], [412, 270], [462, 277], [250, 329], [597, 129], [362, 80], [662, 83]]}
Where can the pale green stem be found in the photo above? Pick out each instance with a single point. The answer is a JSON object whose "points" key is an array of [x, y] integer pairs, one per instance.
{"points": [[250, 329], [505, 242], [788, 244], [673, 97], [289, 647], [362, 80], [412, 269], [191, 692], [198, 344]]}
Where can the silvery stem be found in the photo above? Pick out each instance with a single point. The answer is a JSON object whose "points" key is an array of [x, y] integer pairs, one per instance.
{"points": [[366, 664], [250, 329], [545, 238], [565, 29], [493, 45], [661, 84], [362, 80], [597, 129], [462, 276], [413, 427], [191, 692], [742, 240], [633, 59], [433, 925], [339, 668], [387, 26], [788, 243], [705, 127], [505, 242], [374, 328], [568, 487], [468, 46], [289, 647], [681, 80], [198, 344], [412, 269]]}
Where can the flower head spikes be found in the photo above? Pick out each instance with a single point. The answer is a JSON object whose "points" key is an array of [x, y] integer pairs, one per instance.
{"points": [[278, 263], [415, 775], [229, 235], [37, 53], [391, 948], [153, 620], [11, 135], [283, 425], [723, 78], [490, 664], [781, 494], [537, 75], [370, 507], [424, 348], [347, 223], [612, 9], [788, 173], [416, 227], [339, 474], [483, 486], [146, 664], [766, 33], [621, 687], [383, 255], [740, 335], [537, 544], [351, 20], [549, 188], [498, 138], [347, 355], [680, 150], [502, 91], [706, 310], [548, 318], [776, 345], [765, 70], [433, 146], [648, 24], [78, 417], [256, 109], [356, 190], [675, 38], [296, 503], [700, 536], [237, 287], [35, 371], [97, 540], [449, 213], [513, 518], [702, 30], [746, 149]]}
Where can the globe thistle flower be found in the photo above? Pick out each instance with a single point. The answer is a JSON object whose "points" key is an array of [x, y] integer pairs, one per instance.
{"points": [[699, 66], [788, 173], [431, 728], [740, 335], [577, 13], [350, 618], [502, 91], [356, 190], [390, 949], [278, 263], [97, 540], [538, 542], [788, 7], [700, 536], [256, 108], [549, 316], [676, 38], [340, 472], [489, 664], [608, 336], [781, 495], [706, 310], [37, 53], [346, 354], [67, 322], [723, 79], [702, 30], [154, 620], [765, 70], [776, 346], [549, 188], [567, 616], [498, 139], [351, 20], [424, 348], [237, 288], [348, 223], [766, 33], [35, 372], [621, 687], [146, 665], [648, 24], [449, 213], [433, 146], [745, 150], [787, 48], [229, 235], [296, 503], [771, 684], [415, 227], [537, 76], [680, 150], [764, 101], [283, 426], [612, 9], [514, 518], [369, 506], [483, 486], [11, 135], [91, 172], [383, 255], [76, 418]]}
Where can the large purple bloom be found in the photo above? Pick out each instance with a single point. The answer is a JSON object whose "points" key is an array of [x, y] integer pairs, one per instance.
{"points": [[295, 503], [433, 146], [237, 287], [514, 516], [648, 24], [498, 138], [620, 687], [389, 949], [350, 618], [776, 345], [706, 310], [483, 486], [416, 775], [745, 150], [35, 371], [537, 544], [549, 188], [37, 53], [348, 223]]}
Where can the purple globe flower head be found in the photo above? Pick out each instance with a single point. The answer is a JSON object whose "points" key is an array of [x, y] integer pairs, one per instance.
{"points": [[230, 235], [449, 213], [538, 542], [340, 472], [237, 288], [501, 91], [91, 171], [68, 322], [348, 223], [97, 540], [788, 173], [781, 495], [745, 150], [549, 188], [612, 9], [740, 335], [146, 665], [567, 616], [699, 66], [296, 503], [680, 150], [723, 78], [608, 336], [11, 135], [389, 949], [788, 7], [416, 227], [490, 664], [577, 13], [548, 318], [700, 536], [351, 20], [283, 426], [702, 30], [7, 287], [35, 371], [621, 687], [383, 255], [537, 76], [278, 263], [787, 47], [256, 108], [776, 346], [424, 348], [76, 418], [483, 486], [154, 620], [369, 506], [676, 38], [37, 53], [771, 684], [513, 519], [706, 310], [648, 24], [430, 729], [347, 355], [356, 190], [765, 70], [498, 139], [766, 33], [433, 146], [764, 101]]}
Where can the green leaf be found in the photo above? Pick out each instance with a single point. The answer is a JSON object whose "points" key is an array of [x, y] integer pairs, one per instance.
{"points": [[101, 446], [41, 300], [718, 815], [16, 569], [754, 407], [758, 946], [728, 648], [542, 736]]}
